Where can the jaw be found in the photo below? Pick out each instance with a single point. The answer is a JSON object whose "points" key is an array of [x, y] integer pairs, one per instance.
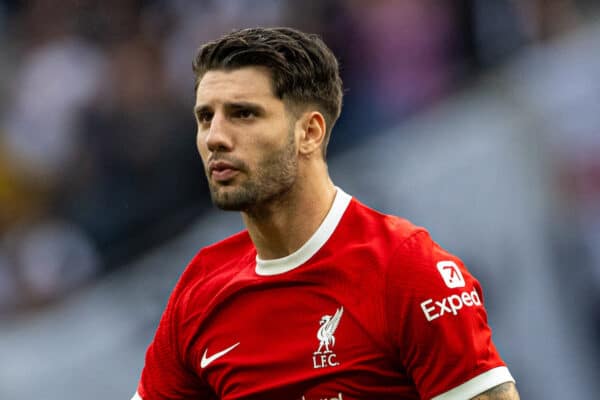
{"points": [[226, 196]]}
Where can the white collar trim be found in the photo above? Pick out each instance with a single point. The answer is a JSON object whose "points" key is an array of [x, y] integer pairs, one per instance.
{"points": [[317, 240]]}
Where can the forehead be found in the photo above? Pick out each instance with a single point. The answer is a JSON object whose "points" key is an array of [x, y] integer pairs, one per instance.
{"points": [[244, 84]]}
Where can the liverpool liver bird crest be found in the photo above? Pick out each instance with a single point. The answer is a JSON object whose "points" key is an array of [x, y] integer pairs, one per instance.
{"points": [[325, 334]]}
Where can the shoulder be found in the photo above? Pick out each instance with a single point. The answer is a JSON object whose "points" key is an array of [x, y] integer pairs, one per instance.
{"points": [[413, 262], [216, 262], [407, 248], [420, 265], [371, 224], [230, 248]]}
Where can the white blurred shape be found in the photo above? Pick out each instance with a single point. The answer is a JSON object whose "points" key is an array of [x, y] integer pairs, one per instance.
{"points": [[55, 83]]}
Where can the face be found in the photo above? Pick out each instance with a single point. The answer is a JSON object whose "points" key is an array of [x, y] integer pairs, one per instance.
{"points": [[245, 138]]}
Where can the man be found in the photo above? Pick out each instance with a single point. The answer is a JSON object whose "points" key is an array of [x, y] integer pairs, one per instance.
{"points": [[321, 297]]}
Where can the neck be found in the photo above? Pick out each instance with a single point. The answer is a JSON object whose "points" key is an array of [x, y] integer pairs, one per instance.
{"points": [[281, 227]]}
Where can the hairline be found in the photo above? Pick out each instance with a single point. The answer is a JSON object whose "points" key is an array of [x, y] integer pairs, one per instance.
{"points": [[293, 107]]}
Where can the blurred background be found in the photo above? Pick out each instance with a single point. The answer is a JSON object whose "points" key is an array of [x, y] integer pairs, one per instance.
{"points": [[478, 119]]}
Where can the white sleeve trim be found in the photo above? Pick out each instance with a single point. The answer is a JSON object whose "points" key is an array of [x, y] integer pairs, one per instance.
{"points": [[137, 396], [477, 385]]}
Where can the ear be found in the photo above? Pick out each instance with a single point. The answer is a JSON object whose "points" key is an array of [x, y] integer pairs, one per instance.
{"points": [[313, 127]]}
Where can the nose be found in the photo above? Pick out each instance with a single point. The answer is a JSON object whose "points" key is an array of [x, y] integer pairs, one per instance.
{"points": [[218, 137]]}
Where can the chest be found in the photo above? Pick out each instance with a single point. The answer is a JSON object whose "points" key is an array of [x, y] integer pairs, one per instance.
{"points": [[298, 340]]}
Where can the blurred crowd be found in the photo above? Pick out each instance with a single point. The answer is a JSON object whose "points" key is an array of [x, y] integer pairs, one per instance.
{"points": [[97, 138]]}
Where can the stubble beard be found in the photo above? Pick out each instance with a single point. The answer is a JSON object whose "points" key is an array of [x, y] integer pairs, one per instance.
{"points": [[272, 179]]}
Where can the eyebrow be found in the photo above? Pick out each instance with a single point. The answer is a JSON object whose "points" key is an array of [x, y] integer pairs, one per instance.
{"points": [[234, 105]]}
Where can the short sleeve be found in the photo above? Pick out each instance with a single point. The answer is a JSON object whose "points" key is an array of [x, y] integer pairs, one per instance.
{"points": [[165, 375], [438, 323]]}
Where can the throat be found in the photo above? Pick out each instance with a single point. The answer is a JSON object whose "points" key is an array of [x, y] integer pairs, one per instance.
{"points": [[280, 231], [276, 235]]}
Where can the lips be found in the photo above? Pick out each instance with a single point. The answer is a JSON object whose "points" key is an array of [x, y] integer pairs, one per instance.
{"points": [[222, 171]]}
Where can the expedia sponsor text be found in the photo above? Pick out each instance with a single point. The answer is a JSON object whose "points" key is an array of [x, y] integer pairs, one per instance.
{"points": [[434, 309]]}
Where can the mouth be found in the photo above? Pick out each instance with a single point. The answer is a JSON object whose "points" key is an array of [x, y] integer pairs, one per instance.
{"points": [[222, 171]]}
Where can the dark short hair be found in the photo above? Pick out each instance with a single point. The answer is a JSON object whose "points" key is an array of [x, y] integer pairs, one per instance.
{"points": [[304, 71]]}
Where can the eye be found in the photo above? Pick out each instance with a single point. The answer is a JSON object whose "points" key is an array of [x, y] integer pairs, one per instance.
{"points": [[244, 113], [204, 117]]}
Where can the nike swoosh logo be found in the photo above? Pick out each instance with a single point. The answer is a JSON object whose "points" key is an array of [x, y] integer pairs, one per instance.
{"points": [[207, 360]]}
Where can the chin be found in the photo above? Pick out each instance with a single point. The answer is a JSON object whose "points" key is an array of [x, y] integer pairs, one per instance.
{"points": [[230, 199]]}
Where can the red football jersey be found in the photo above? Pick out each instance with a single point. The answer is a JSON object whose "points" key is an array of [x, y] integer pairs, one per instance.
{"points": [[368, 308]]}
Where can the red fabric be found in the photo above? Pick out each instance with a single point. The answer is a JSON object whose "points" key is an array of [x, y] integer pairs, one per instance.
{"points": [[378, 270]]}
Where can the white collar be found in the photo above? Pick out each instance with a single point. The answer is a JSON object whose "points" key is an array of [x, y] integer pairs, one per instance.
{"points": [[311, 246]]}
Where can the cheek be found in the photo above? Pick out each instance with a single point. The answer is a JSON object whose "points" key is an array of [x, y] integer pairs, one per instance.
{"points": [[201, 146], [273, 137], [199, 143]]}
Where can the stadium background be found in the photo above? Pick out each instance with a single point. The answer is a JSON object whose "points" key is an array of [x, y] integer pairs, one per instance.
{"points": [[476, 118]]}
